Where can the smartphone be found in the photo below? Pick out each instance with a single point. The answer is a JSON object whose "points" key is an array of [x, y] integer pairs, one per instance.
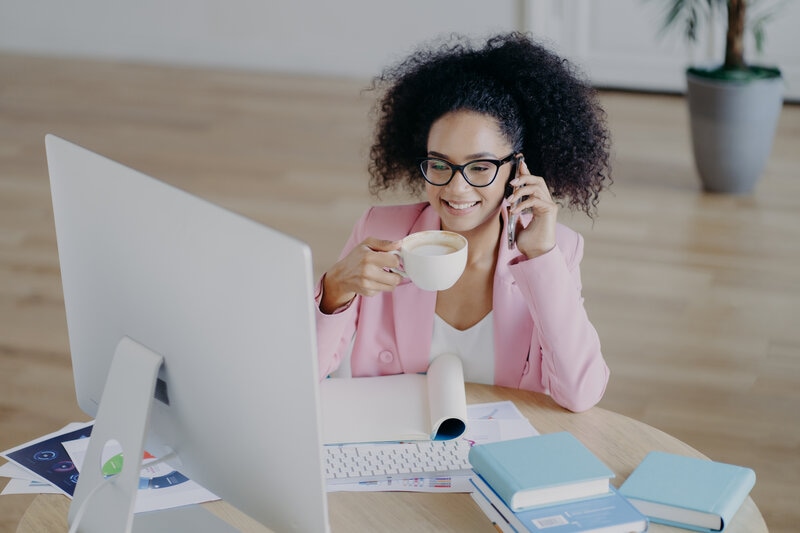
{"points": [[511, 235]]}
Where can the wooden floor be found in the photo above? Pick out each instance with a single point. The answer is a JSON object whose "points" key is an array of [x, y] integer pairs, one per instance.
{"points": [[696, 297]]}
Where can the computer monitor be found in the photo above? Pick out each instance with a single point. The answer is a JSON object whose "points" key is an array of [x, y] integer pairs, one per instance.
{"points": [[205, 320]]}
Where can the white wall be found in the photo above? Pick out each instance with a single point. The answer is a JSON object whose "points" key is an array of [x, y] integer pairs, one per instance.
{"points": [[620, 43], [342, 37], [616, 42]]}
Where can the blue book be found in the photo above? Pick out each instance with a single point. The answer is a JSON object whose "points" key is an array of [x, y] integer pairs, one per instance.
{"points": [[688, 492], [608, 513], [540, 470]]}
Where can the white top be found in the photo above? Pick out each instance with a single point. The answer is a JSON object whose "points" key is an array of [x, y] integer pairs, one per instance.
{"points": [[475, 347]]}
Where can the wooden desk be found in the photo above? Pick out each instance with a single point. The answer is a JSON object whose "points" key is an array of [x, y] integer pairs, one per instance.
{"points": [[619, 441]]}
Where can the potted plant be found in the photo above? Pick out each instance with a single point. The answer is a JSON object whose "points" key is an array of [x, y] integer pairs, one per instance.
{"points": [[733, 107]]}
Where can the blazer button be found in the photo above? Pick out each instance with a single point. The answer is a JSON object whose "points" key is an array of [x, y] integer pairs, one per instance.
{"points": [[386, 356]]}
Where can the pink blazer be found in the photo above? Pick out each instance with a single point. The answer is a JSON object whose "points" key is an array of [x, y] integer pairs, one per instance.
{"points": [[543, 340]]}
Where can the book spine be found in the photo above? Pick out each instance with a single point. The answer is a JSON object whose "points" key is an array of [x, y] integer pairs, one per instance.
{"points": [[681, 525], [494, 474], [493, 499], [498, 521], [737, 492]]}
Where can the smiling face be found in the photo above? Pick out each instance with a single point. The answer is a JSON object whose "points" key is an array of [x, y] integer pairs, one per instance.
{"points": [[460, 137]]}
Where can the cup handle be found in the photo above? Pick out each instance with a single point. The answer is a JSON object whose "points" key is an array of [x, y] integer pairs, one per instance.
{"points": [[399, 271]]}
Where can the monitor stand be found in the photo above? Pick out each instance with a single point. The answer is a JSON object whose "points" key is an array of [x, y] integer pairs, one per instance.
{"points": [[103, 505]]}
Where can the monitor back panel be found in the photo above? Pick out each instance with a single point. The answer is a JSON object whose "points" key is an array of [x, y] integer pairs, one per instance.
{"points": [[226, 301]]}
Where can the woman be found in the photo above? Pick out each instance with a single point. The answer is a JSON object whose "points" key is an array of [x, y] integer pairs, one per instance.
{"points": [[504, 131]]}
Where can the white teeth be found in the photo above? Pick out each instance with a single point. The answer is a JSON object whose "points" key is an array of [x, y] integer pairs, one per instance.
{"points": [[461, 206]]}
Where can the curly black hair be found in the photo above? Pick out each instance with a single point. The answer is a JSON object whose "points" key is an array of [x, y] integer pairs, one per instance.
{"points": [[542, 104]]}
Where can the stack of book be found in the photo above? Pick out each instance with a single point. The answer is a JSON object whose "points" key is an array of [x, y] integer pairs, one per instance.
{"points": [[550, 482]]}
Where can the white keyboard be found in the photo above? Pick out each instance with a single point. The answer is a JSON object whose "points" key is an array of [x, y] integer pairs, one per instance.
{"points": [[374, 462]]}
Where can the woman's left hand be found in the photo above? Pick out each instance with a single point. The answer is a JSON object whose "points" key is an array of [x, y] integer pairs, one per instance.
{"points": [[539, 237]]}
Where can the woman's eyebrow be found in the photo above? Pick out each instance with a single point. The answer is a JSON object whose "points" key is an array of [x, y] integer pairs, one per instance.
{"points": [[469, 157]]}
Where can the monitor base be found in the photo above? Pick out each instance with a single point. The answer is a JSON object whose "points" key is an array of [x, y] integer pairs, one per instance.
{"points": [[189, 518]]}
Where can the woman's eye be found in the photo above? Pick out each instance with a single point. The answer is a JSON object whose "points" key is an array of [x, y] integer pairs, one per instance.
{"points": [[479, 168], [438, 166]]}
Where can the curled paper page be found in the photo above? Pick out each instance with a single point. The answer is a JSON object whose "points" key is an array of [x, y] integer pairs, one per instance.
{"points": [[400, 407], [447, 398]]}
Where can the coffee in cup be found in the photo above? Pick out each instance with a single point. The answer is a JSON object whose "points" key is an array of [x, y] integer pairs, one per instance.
{"points": [[433, 260]]}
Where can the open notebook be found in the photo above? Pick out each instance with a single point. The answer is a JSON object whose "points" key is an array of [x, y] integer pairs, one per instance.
{"points": [[400, 407]]}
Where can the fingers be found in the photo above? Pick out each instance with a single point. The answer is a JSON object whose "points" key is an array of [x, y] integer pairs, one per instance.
{"points": [[530, 193], [380, 281], [380, 245], [365, 270], [373, 256]]}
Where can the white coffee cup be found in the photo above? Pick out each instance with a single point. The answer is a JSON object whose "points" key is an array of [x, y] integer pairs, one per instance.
{"points": [[433, 260]]}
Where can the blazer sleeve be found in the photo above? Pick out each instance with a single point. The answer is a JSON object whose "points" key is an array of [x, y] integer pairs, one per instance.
{"points": [[572, 366], [335, 331]]}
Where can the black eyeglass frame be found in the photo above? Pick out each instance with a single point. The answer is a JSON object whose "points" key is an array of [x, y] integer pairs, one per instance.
{"points": [[460, 168]]}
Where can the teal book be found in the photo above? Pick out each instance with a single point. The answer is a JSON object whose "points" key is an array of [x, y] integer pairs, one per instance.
{"points": [[540, 470], [607, 513], [688, 492]]}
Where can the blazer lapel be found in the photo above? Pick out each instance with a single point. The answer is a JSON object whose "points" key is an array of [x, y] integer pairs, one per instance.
{"points": [[511, 319], [413, 322], [414, 309]]}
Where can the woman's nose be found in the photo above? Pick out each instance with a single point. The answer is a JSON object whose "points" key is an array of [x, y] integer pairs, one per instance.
{"points": [[459, 181]]}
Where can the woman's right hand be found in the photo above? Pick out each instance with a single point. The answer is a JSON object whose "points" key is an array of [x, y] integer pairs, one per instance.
{"points": [[364, 271]]}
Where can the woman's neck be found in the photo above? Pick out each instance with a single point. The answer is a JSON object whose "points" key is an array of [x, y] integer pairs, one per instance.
{"points": [[483, 240]]}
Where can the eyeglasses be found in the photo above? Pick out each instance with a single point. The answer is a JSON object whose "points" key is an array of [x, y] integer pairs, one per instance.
{"points": [[478, 173]]}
